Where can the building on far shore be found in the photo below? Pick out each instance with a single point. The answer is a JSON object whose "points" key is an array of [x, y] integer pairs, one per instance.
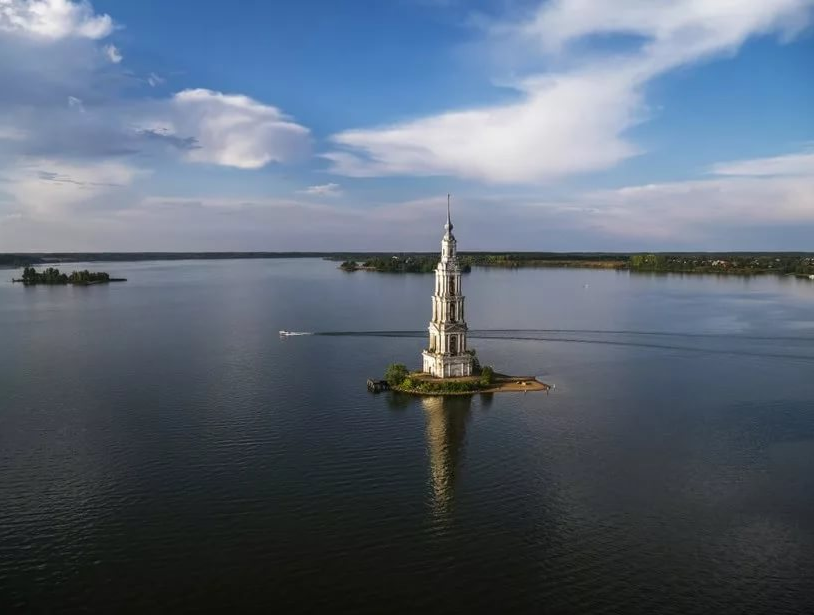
{"points": [[448, 355]]}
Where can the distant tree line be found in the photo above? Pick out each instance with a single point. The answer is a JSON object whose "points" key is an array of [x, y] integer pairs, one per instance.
{"points": [[19, 260], [423, 262], [397, 264], [724, 263], [734, 263]]}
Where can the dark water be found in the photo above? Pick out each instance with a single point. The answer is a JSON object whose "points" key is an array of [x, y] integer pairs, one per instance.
{"points": [[163, 450]]}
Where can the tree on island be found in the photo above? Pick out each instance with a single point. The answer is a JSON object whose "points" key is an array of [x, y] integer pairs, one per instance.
{"points": [[398, 377], [395, 374], [46, 276], [53, 276], [487, 376]]}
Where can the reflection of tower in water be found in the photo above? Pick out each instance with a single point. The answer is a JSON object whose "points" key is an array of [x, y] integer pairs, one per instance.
{"points": [[446, 432]]}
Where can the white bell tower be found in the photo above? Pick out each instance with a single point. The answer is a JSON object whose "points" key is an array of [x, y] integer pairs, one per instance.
{"points": [[448, 355]]}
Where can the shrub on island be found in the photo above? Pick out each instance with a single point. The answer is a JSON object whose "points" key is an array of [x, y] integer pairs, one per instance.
{"points": [[400, 379], [487, 376], [453, 386], [396, 374]]}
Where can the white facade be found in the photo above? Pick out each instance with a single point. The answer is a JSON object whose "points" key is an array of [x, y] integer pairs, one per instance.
{"points": [[448, 355]]}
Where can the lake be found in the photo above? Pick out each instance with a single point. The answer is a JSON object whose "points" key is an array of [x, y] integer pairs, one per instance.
{"points": [[162, 449]]}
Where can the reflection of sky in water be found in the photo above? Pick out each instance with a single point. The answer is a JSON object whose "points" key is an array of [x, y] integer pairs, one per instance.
{"points": [[615, 301]]}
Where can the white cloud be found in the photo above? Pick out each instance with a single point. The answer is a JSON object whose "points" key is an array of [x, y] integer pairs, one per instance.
{"points": [[232, 130], [154, 80], [105, 117], [112, 53], [573, 120], [562, 126], [679, 28], [790, 164], [76, 103], [12, 133], [48, 186], [718, 213], [749, 193], [53, 19], [330, 189]]}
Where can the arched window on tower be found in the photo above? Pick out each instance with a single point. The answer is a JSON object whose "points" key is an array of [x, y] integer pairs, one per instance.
{"points": [[452, 286]]}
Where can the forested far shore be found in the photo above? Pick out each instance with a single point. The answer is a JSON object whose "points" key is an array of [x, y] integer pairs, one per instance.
{"points": [[746, 263], [733, 263], [723, 263]]}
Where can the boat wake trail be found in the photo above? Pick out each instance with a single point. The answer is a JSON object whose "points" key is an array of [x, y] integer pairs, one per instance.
{"points": [[704, 343], [372, 333], [698, 349]]}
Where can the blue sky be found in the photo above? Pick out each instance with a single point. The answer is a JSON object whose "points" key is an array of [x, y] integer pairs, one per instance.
{"points": [[317, 125]]}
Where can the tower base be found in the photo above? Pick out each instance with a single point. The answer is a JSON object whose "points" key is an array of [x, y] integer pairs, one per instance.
{"points": [[446, 365]]}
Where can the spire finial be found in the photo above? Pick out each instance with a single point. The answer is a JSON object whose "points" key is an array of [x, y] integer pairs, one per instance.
{"points": [[449, 219]]}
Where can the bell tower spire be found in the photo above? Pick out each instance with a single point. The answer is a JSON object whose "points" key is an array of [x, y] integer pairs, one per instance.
{"points": [[448, 225]]}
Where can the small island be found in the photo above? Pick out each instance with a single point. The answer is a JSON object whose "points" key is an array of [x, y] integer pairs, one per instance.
{"points": [[53, 276], [449, 366], [400, 379]]}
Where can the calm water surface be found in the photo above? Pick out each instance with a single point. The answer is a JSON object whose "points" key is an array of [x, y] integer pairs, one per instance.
{"points": [[163, 450]]}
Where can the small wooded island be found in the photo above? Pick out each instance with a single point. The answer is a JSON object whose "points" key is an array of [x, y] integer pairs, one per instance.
{"points": [[53, 276]]}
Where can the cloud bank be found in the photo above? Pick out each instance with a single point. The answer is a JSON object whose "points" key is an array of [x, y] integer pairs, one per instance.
{"points": [[754, 210], [235, 130], [330, 189]]}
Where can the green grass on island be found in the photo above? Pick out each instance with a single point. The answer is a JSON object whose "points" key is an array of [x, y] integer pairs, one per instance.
{"points": [[401, 379], [485, 380]]}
